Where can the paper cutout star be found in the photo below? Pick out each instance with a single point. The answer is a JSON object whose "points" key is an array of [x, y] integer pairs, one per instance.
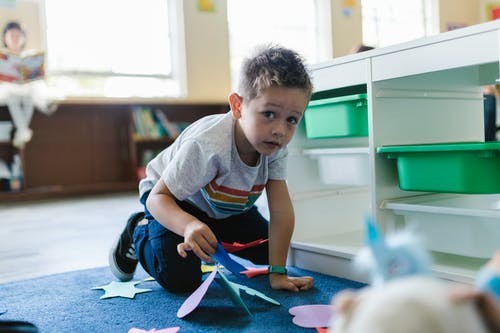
{"points": [[121, 289], [163, 330]]}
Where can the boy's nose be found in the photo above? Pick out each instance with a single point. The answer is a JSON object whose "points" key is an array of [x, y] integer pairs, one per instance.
{"points": [[279, 130]]}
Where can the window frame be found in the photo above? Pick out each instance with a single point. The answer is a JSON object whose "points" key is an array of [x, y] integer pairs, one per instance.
{"points": [[177, 76]]}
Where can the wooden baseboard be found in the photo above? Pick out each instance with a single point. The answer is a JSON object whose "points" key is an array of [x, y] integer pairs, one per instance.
{"points": [[54, 192]]}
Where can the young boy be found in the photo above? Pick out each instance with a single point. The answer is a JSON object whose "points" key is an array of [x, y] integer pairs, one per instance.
{"points": [[202, 188]]}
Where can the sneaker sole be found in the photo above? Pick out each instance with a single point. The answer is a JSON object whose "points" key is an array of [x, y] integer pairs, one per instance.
{"points": [[122, 276]]}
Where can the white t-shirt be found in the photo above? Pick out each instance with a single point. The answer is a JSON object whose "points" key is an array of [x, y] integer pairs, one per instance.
{"points": [[203, 167]]}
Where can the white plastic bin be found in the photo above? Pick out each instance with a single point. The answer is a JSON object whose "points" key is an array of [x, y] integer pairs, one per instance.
{"points": [[467, 225], [5, 129], [342, 166]]}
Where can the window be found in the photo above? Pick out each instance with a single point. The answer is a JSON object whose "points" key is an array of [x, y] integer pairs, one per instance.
{"points": [[303, 26], [388, 22], [112, 47]]}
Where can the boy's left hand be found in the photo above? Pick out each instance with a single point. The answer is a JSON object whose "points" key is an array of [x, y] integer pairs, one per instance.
{"points": [[282, 281]]}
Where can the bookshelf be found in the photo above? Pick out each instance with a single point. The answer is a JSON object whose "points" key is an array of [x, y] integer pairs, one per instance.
{"points": [[90, 147]]}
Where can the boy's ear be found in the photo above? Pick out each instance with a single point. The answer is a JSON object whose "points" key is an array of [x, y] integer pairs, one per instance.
{"points": [[235, 102]]}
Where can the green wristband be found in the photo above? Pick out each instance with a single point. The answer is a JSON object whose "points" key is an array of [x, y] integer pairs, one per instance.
{"points": [[276, 270]]}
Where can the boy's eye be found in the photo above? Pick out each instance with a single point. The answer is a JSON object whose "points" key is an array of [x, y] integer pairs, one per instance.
{"points": [[268, 114], [293, 120]]}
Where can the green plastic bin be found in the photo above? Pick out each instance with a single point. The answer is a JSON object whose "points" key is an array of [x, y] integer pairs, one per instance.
{"points": [[337, 117], [472, 168]]}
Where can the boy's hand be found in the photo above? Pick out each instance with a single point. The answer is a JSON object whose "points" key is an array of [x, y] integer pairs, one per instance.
{"points": [[200, 239], [282, 281]]}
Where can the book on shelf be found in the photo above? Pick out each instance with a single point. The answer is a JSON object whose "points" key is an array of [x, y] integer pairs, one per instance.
{"points": [[145, 124], [21, 68], [149, 124], [169, 127]]}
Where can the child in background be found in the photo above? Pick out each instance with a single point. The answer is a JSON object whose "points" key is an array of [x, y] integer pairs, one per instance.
{"points": [[22, 98], [202, 188]]}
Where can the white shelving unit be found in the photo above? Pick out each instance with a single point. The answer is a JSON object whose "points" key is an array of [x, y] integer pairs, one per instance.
{"points": [[424, 91]]}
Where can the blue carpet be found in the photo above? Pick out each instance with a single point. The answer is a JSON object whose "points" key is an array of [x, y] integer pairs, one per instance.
{"points": [[66, 303]]}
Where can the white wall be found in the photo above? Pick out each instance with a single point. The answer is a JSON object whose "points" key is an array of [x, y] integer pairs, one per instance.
{"points": [[207, 52]]}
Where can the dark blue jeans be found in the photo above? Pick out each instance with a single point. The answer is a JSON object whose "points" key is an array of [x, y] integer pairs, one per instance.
{"points": [[156, 246]]}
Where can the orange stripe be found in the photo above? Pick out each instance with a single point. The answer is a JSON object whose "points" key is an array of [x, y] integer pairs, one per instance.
{"points": [[228, 190], [225, 198]]}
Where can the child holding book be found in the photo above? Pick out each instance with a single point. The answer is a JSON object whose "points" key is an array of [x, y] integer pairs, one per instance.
{"points": [[21, 97], [201, 190]]}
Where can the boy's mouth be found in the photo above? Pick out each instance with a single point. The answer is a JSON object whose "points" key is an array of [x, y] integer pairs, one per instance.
{"points": [[272, 144]]}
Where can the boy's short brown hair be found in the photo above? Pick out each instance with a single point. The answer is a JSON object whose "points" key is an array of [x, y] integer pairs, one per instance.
{"points": [[273, 66]]}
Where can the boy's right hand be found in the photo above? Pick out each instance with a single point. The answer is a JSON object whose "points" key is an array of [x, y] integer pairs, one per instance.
{"points": [[200, 239]]}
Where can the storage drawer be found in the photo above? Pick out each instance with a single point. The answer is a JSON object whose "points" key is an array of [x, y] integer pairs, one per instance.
{"points": [[467, 225], [454, 168], [337, 117], [342, 166]]}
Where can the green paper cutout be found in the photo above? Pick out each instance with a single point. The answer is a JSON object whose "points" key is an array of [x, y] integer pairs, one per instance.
{"points": [[121, 289], [234, 292], [253, 292]]}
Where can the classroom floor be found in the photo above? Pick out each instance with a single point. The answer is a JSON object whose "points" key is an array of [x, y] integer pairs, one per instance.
{"points": [[56, 236]]}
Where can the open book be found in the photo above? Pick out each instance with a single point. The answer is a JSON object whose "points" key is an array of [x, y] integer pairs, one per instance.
{"points": [[21, 68]]}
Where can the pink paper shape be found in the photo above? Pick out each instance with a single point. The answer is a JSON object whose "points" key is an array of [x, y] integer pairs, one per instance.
{"points": [[254, 271], [311, 316], [195, 298], [162, 330]]}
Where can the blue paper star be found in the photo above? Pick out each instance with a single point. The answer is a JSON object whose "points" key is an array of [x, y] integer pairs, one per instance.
{"points": [[121, 289]]}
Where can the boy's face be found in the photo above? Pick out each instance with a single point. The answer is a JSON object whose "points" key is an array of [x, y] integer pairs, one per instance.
{"points": [[268, 121]]}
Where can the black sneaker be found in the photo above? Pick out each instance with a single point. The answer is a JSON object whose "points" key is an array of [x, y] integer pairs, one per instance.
{"points": [[122, 258]]}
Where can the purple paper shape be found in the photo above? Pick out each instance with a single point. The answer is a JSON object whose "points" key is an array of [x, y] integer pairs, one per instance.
{"points": [[311, 316], [225, 260], [195, 298]]}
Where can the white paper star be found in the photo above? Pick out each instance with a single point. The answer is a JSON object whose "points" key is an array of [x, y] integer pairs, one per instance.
{"points": [[121, 289]]}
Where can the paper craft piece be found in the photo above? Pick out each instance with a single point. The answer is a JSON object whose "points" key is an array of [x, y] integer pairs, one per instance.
{"points": [[207, 268], [232, 288], [251, 272], [253, 292], [321, 330], [311, 316], [235, 247], [121, 289], [488, 280], [2, 311], [163, 330], [233, 293], [192, 301], [223, 258]]}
